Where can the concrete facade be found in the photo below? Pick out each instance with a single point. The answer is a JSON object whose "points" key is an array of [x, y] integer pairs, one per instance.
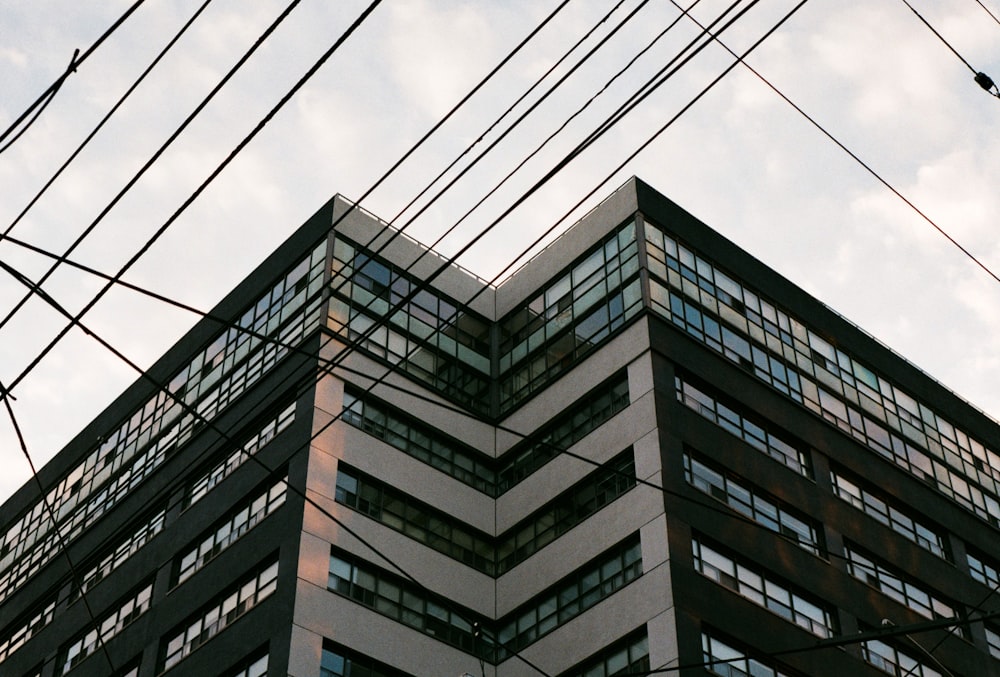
{"points": [[644, 452]]}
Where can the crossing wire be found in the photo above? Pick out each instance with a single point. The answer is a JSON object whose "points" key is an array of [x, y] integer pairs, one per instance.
{"points": [[106, 118], [149, 163], [64, 550], [982, 79], [76, 321], [46, 96]]}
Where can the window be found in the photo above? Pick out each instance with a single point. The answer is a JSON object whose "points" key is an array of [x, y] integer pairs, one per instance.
{"points": [[125, 549], [338, 661], [888, 658], [451, 536], [894, 585], [627, 656], [569, 427], [738, 423], [888, 513], [109, 626], [255, 667], [764, 590], [205, 483], [743, 497], [721, 658], [27, 629], [411, 605], [251, 591], [591, 583], [236, 524], [415, 439]]}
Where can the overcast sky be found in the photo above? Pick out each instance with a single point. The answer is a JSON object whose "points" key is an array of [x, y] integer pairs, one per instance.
{"points": [[741, 160]]}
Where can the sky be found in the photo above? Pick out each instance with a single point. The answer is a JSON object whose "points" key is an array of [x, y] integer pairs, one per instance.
{"points": [[741, 159]]}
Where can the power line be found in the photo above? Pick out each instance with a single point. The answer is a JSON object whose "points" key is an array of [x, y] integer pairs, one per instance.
{"points": [[988, 11], [46, 96], [149, 163], [71, 68], [982, 79], [5, 396], [105, 119], [833, 642], [211, 177], [855, 157]]}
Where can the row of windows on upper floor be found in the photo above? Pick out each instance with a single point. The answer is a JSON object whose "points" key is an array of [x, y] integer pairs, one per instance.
{"points": [[771, 514], [627, 656], [233, 525], [813, 615], [727, 316], [426, 612], [471, 467], [435, 341], [421, 331], [722, 657], [236, 359], [864, 496], [490, 555]]}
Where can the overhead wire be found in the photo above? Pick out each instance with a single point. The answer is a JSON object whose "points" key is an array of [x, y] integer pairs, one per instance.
{"points": [[854, 156], [981, 79], [156, 156], [121, 100], [52, 517], [75, 63], [41, 108], [211, 177], [801, 3], [78, 323], [988, 11]]}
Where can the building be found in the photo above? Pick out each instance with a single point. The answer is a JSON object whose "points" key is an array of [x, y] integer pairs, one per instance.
{"points": [[644, 451]]}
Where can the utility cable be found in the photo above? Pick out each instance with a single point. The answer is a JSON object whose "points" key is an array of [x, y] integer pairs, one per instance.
{"points": [[551, 136], [156, 156], [47, 95], [71, 68], [988, 11], [6, 397], [510, 108], [858, 159], [717, 79], [107, 117], [982, 79], [211, 177]]}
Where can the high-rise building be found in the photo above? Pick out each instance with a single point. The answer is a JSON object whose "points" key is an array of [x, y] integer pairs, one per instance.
{"points": [[643, 452]]}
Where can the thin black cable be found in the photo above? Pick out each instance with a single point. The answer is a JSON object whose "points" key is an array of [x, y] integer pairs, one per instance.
{"points": [[47, 94], [712, 84], [151, 161], [107, 117], [988, 11], [211, 177], [493, 144], [538, 149], [400, 305], [510, 108], [982, 79], [52, 517], [71, 68], [219, 169], [844, 640], [856, 158], [191, 410]]}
